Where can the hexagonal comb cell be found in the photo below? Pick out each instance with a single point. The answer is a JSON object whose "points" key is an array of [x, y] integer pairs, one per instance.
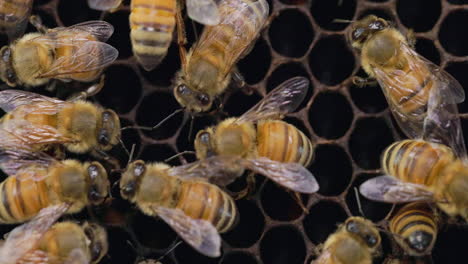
{"points": [[239, 257], [410, 15], [325, 13], [322, 220], [451, 36], [283, 244], [279, 203], [256, 64]]}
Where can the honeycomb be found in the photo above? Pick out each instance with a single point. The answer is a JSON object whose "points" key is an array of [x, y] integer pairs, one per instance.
{"points": [[350, 126]]}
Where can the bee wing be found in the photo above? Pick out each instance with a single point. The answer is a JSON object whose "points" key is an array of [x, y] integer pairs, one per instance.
{"points": [[203, 11], [24, 237], [290, 175], [200, 234], [88, 56], [11, 99], [104, 5], [388, 189], [77, 256], [282, 100], [101, 30]]}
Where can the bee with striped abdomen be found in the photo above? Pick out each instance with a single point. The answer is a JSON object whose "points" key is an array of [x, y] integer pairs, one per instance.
{"points": [[257, 134], [66, 53], [207, 69], [14, 15], [355, 242], [43, 242], [41, 121], [414, 228], [37, 181], [421, 171], [422, 97]]}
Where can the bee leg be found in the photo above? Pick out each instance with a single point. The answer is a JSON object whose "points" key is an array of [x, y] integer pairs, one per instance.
{"points": [[104, 156], [411, 38], [361, 82], [36, 21], [297, 197], [181, 37], [91, 91], [248, 190]]}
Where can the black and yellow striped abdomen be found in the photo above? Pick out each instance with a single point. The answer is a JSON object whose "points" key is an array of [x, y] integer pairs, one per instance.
{"points": [[151, 25], [280, 141], [22, 199], [416, 161], [414, 228], [201, 200]]}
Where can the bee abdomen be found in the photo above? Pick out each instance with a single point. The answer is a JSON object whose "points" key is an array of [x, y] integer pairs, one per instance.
{"points": [[201, 200], [416, 161], [152, 23], [415, 228], [21, 199], [280, 141]]}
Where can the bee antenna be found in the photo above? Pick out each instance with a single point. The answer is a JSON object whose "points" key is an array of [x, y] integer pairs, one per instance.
{"points": [[157, 125], [191, 127], [170, 250], [358, 200], [123, 146], [339, 20], [130, 155], [179, 154]]}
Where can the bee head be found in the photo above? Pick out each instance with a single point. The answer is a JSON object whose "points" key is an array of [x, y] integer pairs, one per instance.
{"points": [[364, 28], [204, 143], [99, 183], [97, 237], [108, 133], [131, 179], [193, 101], [7, 74], [363, 229]]}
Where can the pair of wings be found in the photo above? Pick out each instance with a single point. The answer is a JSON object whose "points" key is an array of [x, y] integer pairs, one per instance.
{"points": [[88, 55], [15, 29], [441, 123], [245, 19], [20, 244], [202, 11], [223, 170]]}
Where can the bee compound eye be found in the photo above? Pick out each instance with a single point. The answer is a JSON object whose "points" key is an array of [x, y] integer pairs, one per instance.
{"points": [[205, 137], [139, 170], [203, 99], [371, 240], [352, 227], [182, 89], [93, 171]]}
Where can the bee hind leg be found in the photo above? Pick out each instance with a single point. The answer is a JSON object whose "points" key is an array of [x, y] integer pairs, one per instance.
{"points": [[411, 38], [90, 91], [36, 21], [362, 82], [248, 190], [297, 197]]}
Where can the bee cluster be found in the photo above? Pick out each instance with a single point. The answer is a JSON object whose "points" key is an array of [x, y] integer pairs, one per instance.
{"points": [[349, 126]]}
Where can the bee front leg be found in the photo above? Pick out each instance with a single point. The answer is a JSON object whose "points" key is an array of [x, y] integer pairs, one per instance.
{"points": [[411, 38], [91, 91], [36, 21], [361, 82]]}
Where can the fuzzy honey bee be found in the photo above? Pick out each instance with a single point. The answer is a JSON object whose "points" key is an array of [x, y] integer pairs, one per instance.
{"points": [[41, 121], [38, 181], [421, 95], [419, 170], [355, 242], [65, 53], [152, 24], [14, 17], [414, 228], [258, 134], [207, 69], [195, 209], [41, 241]]}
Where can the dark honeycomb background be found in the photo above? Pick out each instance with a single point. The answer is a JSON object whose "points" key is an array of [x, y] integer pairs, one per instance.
{"points": [[350, 126]]}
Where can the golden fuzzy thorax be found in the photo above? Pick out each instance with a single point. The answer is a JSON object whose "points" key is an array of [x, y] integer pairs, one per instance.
{"points": [[382, 49], [80, 121], [235, 139]]}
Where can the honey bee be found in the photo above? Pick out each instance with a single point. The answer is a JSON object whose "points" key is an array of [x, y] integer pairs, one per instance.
{"points": [[207, 68], [152, 23], [38, 181], [41, 121], [185, 198], [355, 242], [415, 228], [257, 133], [41, 241], [14, 17], [66, 53], [421, 171], [422, 97]]}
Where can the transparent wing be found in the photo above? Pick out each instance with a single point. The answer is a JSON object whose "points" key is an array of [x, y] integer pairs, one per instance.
{"points": [[104, 5], [200, 234], [11, 99], [88, 56], [101, 30], [34, 257], [282, 100], [391, 190], [219, 170], [77, 256], [24, 238], [324, 258], [203, 11], [290, 175]]}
